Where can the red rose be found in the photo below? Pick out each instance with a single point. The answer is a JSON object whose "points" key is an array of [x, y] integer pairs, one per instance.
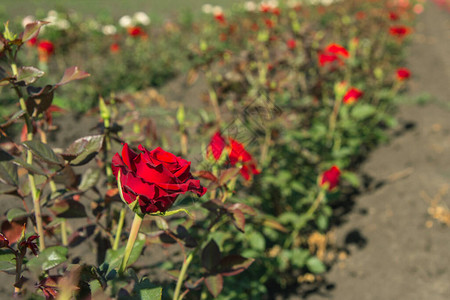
{"points": [[291, 44], [399, 31], [352, 96], [155, 177], [333, 52], [114, 48], [330, 177], [403, 73], [393, 16], [220, 17], [46, 47], [236, 154], [136, 31]]}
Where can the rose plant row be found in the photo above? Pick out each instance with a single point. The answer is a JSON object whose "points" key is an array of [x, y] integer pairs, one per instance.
{"points": [[234, 201]]}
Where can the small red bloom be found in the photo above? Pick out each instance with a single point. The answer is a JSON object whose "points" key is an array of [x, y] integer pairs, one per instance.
{"points": [[399, 31], [265, 8], [291, 44], [276, 11], [114, 48], [333, 52], [136, 31], [330, 177], [29, 243], [46, 46], [393, 16], [236, 154], [216, 146], [352, 96], [239, 154], [403, 73], [220, 17], [360, 15], [269, 23], [32, 42]]}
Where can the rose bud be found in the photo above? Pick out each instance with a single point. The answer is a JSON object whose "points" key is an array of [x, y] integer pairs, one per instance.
{"points": [[153, 178], [330, 178], [352, 96], [399, 31], [403, 73], [135, 31]]}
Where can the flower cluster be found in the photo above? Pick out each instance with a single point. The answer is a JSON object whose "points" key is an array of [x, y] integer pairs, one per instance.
{"points": [[333, 53]]}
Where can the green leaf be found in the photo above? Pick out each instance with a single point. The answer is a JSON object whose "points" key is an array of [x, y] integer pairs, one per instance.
{"points": [[257, 241], [31, 168], [363, 111], [8, 173], [146, 290], [315, 265], [29, 74], [211, 256], [16, 213], [89, 179], [13, 118], [238, 220], [83, 150], [214, 283], [322, 222], [114, 257], [48, 259], [299, 257], [352, 178], [43, 151], [71, 74], [68, 208], [7, 260]]}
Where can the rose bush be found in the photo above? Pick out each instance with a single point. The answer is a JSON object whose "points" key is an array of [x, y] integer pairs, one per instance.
{"points": [[155, 178]]}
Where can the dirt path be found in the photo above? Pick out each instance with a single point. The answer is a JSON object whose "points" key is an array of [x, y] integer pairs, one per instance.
{"points": [[397, 250]]}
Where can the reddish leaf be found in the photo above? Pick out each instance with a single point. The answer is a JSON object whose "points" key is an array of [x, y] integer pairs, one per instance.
{"points": [[242, 207], [239, 220], [227, 175], [32, 30], [206, 175], [234, 264], [71, 74], [13, 230], [211, 256], [275, 225], [214, 284]]}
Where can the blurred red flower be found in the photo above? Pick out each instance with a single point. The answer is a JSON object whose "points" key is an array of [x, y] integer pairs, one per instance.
{"points": [[114, 48], [399, 31], [330, 177], [403, 73], [333, 52], [269, 23], [236, 154], [393, 16], [352, 96], [291, 44], [136, 31], [154, 178], [32, 42], [46, 47], [220, 17]]}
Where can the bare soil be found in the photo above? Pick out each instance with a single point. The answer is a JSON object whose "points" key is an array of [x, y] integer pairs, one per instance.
{"points": [[397, 249]]}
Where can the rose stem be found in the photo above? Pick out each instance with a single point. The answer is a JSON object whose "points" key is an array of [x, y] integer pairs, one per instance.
{"points": [[119, 228], [333, 117], [184, 268], [63, 228], [34, 191], [137, 221]]}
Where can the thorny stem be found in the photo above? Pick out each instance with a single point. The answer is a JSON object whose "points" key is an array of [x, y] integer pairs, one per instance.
{"points": [[137, 221], [333, 117], [34, 191], [19, 262], [119, 228]]}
